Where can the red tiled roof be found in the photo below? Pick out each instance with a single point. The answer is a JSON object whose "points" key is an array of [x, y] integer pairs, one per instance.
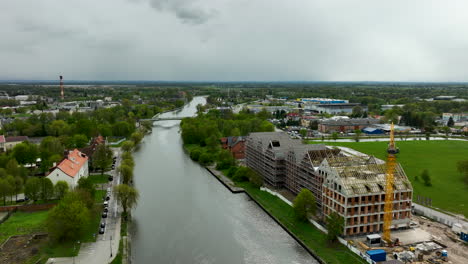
{"points": [[73, 163], [2, 139]]}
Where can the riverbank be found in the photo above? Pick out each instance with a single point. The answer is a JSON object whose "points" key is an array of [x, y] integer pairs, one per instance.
{"points": [[310, 238]]}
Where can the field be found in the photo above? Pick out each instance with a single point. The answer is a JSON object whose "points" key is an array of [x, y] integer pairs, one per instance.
{"points": [[23, 223], [448, 191]]}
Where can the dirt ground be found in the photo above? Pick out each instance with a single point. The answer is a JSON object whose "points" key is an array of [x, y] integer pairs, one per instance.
{"points": [[457, 250], [21, 248]]}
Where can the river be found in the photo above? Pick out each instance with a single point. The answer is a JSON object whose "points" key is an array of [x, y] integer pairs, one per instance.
{"points": [[186, 216]]}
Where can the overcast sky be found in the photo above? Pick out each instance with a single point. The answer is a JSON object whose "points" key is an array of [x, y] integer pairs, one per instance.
{"points": [[235, 40]]}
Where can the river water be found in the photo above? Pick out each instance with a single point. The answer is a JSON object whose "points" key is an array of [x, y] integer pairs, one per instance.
{"points": [[186, 216]]}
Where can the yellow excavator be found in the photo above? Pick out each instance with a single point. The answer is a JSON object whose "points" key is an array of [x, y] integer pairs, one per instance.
{"points": [[392, 150]]}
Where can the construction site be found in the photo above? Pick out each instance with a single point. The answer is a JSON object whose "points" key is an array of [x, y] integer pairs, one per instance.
{"points": [[373, 196]]}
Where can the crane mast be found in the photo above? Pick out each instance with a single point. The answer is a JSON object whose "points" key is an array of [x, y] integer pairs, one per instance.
{"points": [[389, 185]]}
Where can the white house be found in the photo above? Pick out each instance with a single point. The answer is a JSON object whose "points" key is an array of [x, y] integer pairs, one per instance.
{"points": [[70, 169]]}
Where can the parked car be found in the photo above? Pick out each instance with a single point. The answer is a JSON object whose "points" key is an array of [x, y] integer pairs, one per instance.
{"points": [[111, 178], [101, 230], [113, 166], [107, 198], [104, 215], [103, 224], [106, 204], [106, 210]]}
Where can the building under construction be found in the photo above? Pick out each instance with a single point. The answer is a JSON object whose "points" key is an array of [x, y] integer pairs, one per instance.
{"points": [[351, 184]]}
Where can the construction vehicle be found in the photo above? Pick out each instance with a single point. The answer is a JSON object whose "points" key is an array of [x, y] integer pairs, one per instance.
{"points": [[392, 150]]}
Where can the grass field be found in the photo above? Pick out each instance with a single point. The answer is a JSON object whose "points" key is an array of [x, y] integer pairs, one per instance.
{"points": [[98, 178], [311, 236], [23, 223], [449, 191]]}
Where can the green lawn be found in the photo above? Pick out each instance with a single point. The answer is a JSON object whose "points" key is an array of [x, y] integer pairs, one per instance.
{"points": [[99, 196], [21, 223], [449, 191], [311, 236], [97, 179]]}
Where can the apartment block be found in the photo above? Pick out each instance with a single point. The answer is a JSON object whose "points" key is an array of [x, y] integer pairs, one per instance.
{"points": [[349, 183]]}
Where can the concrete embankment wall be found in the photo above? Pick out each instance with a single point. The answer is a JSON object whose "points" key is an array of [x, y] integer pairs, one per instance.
{"points": [[311, 252]]}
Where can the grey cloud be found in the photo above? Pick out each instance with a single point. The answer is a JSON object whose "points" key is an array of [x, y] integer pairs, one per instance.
{"points": [[188, 11]]}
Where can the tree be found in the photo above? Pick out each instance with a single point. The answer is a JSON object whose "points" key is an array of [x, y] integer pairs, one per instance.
{"points": [[195, 154], [136, 137], [450, 122], [126, 172], [357, 135], [335, 224], [303, 132], [18, 186], [212, 142], [47, 189], [304, 205], [12, 167], [68, 220], [128, 145], [85, 184], [58, 128], [225, 160], [127, 197], [61, 189], [102, 157], [446, 130], [5, 189], [32, 188], [357, 111], [426, 178], [79, 141], [25, 153], [205, 158], [51, 146], [334, 136]]}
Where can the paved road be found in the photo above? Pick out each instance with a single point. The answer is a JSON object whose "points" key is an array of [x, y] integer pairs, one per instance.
{"points": [[99, 252]]}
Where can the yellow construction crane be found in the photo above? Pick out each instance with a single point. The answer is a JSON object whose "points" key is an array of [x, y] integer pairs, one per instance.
{"points": [[389, 186]]}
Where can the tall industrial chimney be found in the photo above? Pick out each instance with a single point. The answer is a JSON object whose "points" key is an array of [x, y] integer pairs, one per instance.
{"points": [[61, 87]]}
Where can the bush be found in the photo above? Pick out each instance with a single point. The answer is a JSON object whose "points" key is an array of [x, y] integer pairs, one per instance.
{"points": [[195, 154], [205, 159], [231, 171], [241, 175]]}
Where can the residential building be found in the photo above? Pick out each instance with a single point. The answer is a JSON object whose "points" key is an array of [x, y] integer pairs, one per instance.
{"points": [[70, 169], [236, 145], [347, 182], [91, 148], [456, 117], [345, 125], [11, 142], [266, 154], [354, 187]]}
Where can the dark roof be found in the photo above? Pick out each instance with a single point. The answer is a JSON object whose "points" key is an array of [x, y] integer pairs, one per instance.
{"points": [[232, 141], [16, 139]]}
